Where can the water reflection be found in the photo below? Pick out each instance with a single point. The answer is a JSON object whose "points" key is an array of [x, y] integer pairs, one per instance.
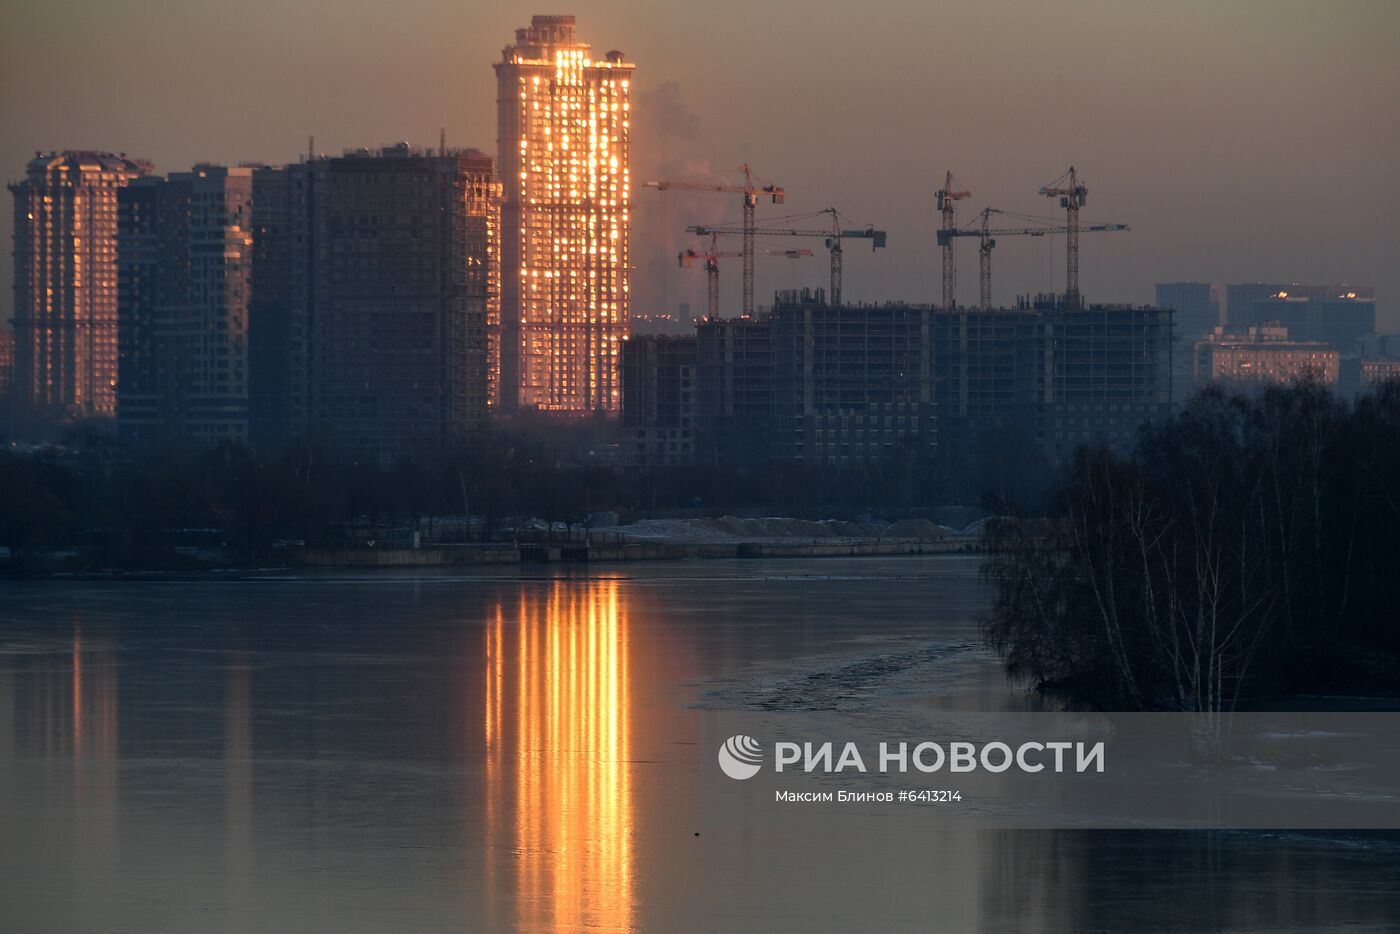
{"points": [[521, 755], [238, 772], [558, 728]]}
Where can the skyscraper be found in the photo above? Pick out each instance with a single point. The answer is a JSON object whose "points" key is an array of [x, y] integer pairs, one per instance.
{"points": [[374, 280], [564, 126], [185, 261], [65, 228]]}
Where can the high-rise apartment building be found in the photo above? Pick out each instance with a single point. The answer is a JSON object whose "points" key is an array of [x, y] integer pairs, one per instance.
{"points": [[841, 385], [65, 311], [185, 262], [563, 141], [375, 279]]}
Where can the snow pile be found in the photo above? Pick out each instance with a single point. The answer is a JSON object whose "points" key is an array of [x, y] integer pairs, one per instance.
{"points": [[922, 529], [775, 528]]}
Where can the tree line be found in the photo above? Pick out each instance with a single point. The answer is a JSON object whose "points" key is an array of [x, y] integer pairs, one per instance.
{"points": [[1247, 548], [116, 504]]}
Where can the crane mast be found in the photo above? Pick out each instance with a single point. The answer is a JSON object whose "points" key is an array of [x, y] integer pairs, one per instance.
{"points": [[751, 189], [985, 233], [1072, 195], [711, 259], [946, 199]]}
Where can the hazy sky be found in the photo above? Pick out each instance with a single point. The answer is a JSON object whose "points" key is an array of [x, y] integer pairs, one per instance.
{"points": [[1241, 140]]}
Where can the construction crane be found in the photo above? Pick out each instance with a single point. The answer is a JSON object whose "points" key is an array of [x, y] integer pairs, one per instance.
{"points": [[1072, 195], [687, 258], [946, 199], [751, 189], [832, 235], [985, 233]]}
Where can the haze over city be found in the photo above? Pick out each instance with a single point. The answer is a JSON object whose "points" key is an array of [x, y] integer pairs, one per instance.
{"points": [[415, 516], [1243, 141]]}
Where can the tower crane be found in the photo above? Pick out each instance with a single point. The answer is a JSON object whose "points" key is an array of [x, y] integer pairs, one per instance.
{"points": [[1072, 195], [985, 233], [751, 189], [833, 236], [946, 199], [686, 258]]}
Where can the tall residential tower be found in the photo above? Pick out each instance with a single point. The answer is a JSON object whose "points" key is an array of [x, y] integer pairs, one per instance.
{"points": [[65, 226], [564, 125], [374, 284], [185, 261]]}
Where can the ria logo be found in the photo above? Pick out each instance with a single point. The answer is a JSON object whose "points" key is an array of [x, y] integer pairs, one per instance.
{"points": [[741, 757]]}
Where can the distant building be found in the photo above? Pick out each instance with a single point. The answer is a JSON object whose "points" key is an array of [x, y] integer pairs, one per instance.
{"points": [[1240, 299], [1264, 355], [816, 384], [185, 262], [1196, 311], [65, 312], [1374, 372], [660, 392], [564, 138], [1339, 320], [375, 283]]}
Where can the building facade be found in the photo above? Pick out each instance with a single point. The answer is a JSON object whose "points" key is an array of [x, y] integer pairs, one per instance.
{"points": [[279, 311], [65, 308], [1240, 299], [185, 263], [1340, 320], [1062, 375], [839, 386], [850, 384], [1262, 356], [660, 389], [1375, 372], [375, 283], [563, 145], [736, 412], [1195, 309]]}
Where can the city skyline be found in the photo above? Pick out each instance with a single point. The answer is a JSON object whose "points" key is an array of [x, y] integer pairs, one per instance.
{"points": [[1216, 187]]}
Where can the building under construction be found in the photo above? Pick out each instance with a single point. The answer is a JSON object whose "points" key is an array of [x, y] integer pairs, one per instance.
{"points": [[1064, 373], [842, 385], [659, 388]]}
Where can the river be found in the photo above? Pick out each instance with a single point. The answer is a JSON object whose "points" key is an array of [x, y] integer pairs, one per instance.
{"points": [[521, 750]]}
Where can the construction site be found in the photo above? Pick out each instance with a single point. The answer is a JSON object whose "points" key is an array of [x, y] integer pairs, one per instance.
{"points": [[817, 380]]}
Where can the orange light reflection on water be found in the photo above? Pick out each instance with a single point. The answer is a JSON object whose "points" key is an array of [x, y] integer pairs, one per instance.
{"points": [[559, 797]]}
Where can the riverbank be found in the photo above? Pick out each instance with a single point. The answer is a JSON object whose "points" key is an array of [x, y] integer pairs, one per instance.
{"points": [[445, 544], [614, 550]]}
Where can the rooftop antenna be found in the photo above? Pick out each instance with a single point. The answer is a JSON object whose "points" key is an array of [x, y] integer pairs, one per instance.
{"points": [[310, 148], [442, 141]]}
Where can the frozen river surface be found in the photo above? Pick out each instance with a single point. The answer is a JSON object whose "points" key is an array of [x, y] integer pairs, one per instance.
{"points": [[502, 751]]}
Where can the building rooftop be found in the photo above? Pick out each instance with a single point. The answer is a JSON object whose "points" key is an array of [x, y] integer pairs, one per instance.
{"points": [[87, 160]]}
